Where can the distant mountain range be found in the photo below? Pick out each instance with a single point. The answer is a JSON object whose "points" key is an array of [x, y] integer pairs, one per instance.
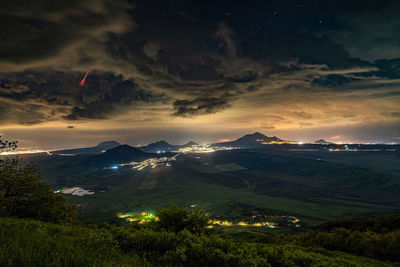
{"points": [[250, 140], [114, 148], [246, 141], [101, 147]]}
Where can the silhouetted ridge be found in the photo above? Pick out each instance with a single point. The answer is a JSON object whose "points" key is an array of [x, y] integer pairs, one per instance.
{"points": [[250, 140], [160, 146], [191, 143], [322, 142], [100, 148], [108, 144], [120, 154]]}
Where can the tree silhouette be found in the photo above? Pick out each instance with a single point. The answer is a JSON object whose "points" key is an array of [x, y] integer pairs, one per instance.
{"points": [[24, 194], [6, 145], [176, 219]]}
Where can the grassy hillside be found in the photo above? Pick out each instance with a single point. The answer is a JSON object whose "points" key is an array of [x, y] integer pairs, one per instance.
{"points": [[173, 236], [32, 243], [313, 186]]}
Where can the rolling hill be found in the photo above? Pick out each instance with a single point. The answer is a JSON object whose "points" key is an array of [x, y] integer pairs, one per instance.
{"points": [[101, 147], [160, 146], [163, 147], [117, 155], [250, 141], [323, 142]]}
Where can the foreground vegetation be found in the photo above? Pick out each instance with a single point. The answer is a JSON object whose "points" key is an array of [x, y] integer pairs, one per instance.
{"points": [[28, 242], [38, 228]]}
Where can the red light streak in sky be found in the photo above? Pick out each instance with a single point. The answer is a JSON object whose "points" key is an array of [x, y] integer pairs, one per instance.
{"points": [[83, 81]]}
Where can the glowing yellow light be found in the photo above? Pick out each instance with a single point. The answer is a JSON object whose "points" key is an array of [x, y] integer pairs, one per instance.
{"points": [[24, 152]]}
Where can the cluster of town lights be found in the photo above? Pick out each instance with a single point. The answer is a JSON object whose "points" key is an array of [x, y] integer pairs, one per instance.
{"points": [[146, 217], [152, 162]]}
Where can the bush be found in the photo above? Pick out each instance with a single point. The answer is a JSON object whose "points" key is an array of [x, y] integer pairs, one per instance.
{"points": [[34, 243], [24, 194], [382, 246], [176, 219]]}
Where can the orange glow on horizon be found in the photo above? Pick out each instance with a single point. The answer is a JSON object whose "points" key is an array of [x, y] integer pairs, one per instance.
{"points": [[335, 137]]}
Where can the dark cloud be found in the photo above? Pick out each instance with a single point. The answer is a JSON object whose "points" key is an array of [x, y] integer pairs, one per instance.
{"points": [[194, 62], [302, 115], [244, 78], [305, 124], [42, 33], [371, 34], [145, 53], [268, 126], [333, 80], [200, 106], [386, 68], [391, 114], [305, 46], [54, 95]]}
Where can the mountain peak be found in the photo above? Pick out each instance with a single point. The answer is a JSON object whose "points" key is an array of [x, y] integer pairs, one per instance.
{"points": [[162, 142], [322, 142], [257, 134], [253, 137], [159, 146], [108, 144], [191, 143], [251, 140], [119, 154]]}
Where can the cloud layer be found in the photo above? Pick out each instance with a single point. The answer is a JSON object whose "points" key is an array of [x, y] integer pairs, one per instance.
{"points": [[176, 61]]}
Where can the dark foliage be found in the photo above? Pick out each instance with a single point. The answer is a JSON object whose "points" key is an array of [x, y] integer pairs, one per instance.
{"points": [[6, 145], [24, 194], [176, 219], [374, 237], [378, 224]]}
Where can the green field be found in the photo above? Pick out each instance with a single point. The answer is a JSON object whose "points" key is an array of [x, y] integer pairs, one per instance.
{"points": [[236, 185]]}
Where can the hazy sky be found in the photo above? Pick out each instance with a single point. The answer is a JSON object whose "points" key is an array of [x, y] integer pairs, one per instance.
{"points": [[198, 70]]}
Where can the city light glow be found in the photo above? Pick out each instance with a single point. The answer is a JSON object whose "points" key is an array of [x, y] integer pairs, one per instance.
{"points": [[22, 152]]}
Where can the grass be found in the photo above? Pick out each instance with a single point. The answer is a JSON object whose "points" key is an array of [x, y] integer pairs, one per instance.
{"points": [[292, 183], [230, 167], [217, 201], [32, 243]]}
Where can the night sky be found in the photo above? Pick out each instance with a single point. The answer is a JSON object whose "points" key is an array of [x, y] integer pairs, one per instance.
{"points": [[198, 70]]}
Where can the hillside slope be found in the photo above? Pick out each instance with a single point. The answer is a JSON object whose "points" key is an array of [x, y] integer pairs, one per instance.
{"points": [[99, 148], [34, 243]]}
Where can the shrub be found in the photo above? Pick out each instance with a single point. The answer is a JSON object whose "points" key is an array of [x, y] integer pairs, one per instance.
{"points": [[176, 219], [24, 194]]}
